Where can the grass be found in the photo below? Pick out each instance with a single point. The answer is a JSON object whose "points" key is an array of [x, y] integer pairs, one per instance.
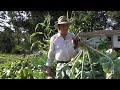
{"points": [[5, 58]]}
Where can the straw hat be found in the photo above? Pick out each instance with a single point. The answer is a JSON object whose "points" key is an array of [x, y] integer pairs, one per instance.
{"points": [[61, 20]]}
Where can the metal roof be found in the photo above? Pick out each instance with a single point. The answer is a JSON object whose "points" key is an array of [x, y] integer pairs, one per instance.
{"points": [[99, 32]]}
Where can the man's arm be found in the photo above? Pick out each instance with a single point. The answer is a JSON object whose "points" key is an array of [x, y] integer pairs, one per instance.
{"points": [[51, 55]]}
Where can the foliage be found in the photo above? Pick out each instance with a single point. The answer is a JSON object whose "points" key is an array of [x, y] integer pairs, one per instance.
{"points": [[6, 41], [88, 20], [42, 43], [5, 58], [31, 67], [114, 19], [87, 64], [17, 49], [90, 63], [104, 44], [22, 23]]}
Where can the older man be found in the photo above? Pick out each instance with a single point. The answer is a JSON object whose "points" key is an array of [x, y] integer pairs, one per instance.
{"points": [[61, 46]]}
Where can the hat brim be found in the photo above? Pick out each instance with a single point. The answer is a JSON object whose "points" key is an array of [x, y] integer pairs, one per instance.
{"points": [[56, 25], [64, 23]]}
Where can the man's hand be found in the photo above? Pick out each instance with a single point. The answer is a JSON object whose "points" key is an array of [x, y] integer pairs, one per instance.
{"points": [[49, 77], [78, 42], [75, 42], [49, 72], [81, 42]]}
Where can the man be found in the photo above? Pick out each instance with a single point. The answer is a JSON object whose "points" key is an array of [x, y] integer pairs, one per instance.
{"points": [[61, 46]]}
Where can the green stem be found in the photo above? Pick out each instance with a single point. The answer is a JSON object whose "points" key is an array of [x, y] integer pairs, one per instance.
{"points": [[90, 64], [103, 55], [82, 65], [71, 61], [73, 67]]}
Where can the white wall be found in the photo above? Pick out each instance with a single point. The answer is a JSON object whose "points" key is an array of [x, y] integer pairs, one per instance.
{"points": [[116, 43], [96, 40]]}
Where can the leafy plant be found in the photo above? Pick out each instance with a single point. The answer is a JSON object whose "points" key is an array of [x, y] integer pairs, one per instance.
{"points": [[104, 44], [30, 67], [46, 33], [90, 63]]}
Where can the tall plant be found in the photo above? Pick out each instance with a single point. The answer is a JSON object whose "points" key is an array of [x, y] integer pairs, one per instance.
{"points": [[42, 44]]}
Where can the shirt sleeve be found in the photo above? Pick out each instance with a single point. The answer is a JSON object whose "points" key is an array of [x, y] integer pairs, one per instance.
{"points": [[78, 49], [51, 53], [73, 34]]}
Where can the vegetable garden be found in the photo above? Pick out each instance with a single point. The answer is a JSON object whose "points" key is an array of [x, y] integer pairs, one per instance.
{"points": [[89, 63]]}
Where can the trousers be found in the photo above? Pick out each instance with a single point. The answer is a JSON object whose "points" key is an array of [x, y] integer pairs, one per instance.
{"points": [[62, 74]]}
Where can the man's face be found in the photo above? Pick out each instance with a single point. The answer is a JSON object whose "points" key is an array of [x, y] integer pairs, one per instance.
{"points": [[63, 28]]}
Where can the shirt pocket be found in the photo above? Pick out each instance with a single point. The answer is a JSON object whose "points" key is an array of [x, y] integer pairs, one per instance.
{"points": [[58, 46]]}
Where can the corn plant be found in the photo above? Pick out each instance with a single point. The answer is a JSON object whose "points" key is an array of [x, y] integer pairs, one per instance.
{"points": [[46, 33]]}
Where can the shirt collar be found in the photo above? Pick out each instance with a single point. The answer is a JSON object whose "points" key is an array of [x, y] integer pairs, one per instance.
{"points": [[59, 34]]}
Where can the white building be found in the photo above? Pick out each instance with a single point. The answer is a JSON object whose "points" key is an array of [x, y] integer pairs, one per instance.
{"points": [[112, 35]]}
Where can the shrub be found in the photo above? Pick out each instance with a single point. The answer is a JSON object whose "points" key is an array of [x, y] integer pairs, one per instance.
{"points": [[17, 49]]}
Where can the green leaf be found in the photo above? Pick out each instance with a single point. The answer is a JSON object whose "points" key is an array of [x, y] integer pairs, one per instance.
{"points": [[63, 73], [33, 35], [43, 24], [25, 71], [42, 75], [67, 16], [39, 42], [35, 74], [102, 60], [77, 70], [35, 63], [117, 62], [30, 71], [109, 75], [72, 76], [21, 73], [88, 74], [111, 53], [39, 32], [8, 73], [45, 36], [34, 45], [38, 25], [36, 34], [106, 67], [18, 75]]}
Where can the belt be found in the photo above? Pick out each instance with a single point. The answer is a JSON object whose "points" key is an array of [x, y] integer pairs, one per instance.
{"points": [[63, 61]]}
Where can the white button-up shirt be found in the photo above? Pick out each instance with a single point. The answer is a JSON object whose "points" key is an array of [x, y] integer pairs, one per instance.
{"points": [[61, 49]]}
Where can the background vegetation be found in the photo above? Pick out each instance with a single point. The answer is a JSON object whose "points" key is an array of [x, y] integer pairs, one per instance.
{"points": [[29, 32]]}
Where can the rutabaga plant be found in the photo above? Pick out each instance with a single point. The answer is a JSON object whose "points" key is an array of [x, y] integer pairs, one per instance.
{"points": [[112, 70], [90, 63]]}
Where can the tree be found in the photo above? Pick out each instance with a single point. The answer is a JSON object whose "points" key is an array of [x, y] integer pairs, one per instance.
{"points": [[89, 20], [7, 40], [114, 19], [23, 23]]}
